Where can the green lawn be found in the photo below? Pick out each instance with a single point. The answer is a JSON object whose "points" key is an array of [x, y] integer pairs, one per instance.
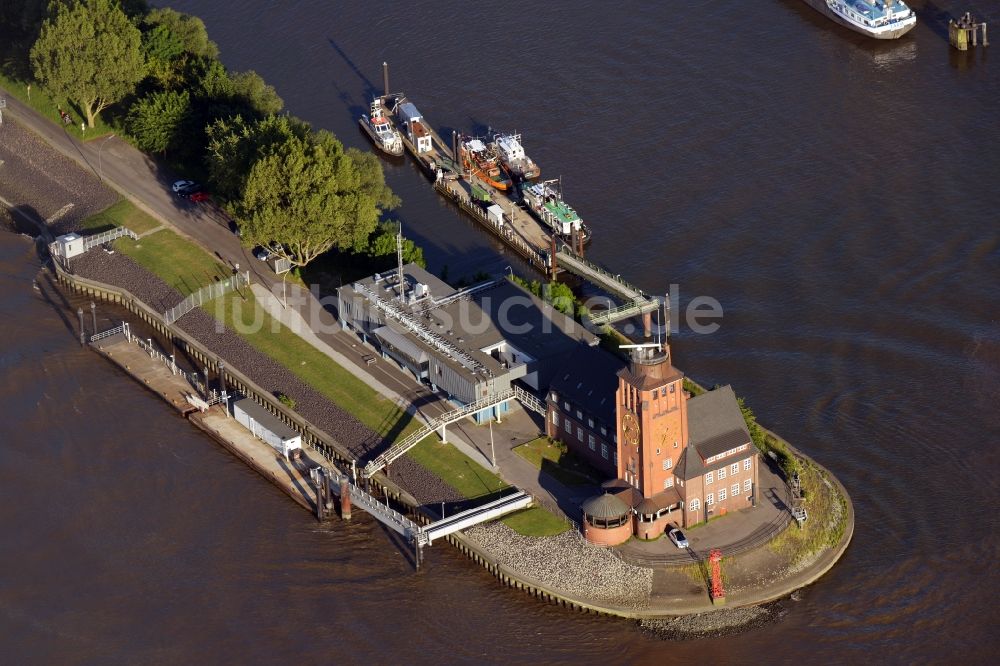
{"points": [[178, 262], [49, 107], [122, 214], [553, 458]]}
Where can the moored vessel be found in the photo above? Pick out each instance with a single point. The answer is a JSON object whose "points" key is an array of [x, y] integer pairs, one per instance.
{"points": [[545, 201], [377, 125], [482, 160], [511, 154], [881, 19]]}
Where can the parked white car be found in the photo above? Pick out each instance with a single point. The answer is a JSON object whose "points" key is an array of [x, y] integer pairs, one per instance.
{"points": [[678, 538]]}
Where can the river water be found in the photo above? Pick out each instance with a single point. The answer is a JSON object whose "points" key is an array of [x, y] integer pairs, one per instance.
{"points": [[836, 195]]}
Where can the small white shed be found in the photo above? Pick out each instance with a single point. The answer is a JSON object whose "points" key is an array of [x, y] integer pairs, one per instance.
{"points": [[69, 245], [266, 426], [495, 213]]}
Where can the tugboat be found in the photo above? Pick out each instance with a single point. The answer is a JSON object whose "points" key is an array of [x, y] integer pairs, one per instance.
{"points": [[483, 161], [545, 201], [881, 19], [511, 153], [381, 131]]}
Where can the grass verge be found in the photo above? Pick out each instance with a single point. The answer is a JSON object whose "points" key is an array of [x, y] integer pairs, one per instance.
{"points": [[122, 214], [40, 100], [827, 510]]}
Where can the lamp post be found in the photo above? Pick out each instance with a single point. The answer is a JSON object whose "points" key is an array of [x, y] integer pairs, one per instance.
{"points": [[100, 156], [493, 453]]}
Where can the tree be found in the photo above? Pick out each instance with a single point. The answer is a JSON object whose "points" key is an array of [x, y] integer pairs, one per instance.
{"points": [[157, 120], [188, 30], [234, 145], [383, 244], [308, 196], [89, 52], [250, 89]]}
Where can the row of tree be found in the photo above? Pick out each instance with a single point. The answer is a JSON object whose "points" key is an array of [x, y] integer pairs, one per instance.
{"points": [[293, 189]]}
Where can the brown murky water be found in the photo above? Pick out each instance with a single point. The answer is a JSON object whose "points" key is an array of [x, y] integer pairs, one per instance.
{"points": [[838, 196]]}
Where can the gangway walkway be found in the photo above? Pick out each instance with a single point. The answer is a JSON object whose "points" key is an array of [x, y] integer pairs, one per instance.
{"points": [[331, 481], [634, 308], [480, 514], [395, 451], [593, 273]]}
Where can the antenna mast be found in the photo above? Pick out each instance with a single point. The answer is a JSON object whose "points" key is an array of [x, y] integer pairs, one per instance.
{"points": [[399, 259]]}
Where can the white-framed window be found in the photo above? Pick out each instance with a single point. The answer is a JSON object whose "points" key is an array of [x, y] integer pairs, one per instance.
{"points": [[670, 463], [694, 504], [604, 450], [710, 477], [747, 464], [553, 396], [668, 482], [675, 443], [734, 489], [680, 482], [604, 431], [579, 415], [666, 464], [657, 451], [673, 388], [614, 457], [747, 486], [722, 473], [722, 494], [590, 423], [565, 406], [555, 418], [710, 499], [734, 469], [590, 441], [580, 433]]}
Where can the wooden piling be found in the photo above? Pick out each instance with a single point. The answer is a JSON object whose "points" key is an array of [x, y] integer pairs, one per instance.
{"points": [[345, 499]]}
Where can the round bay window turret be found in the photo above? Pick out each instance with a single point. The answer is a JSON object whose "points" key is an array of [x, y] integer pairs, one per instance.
{"points": [[606, 511]]}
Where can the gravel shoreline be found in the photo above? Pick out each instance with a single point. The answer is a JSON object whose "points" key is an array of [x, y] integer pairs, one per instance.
{"points": [[567, 563], [724, 622]]}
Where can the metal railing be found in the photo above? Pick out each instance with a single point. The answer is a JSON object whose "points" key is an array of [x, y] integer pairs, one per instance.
{"points": [[90, 242], [429, 337], [635, 307], [529, 401], [123, 329], [206, 294], [571, 260]]}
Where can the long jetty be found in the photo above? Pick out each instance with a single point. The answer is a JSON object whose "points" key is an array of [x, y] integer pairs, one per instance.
{"points": [[515, 227]]}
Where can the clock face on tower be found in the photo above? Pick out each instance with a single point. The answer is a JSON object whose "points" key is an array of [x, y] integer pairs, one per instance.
{"points": [[630, 428]]}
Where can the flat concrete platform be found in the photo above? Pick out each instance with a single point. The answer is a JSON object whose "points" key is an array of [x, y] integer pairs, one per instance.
{"points": [[154, 374]]}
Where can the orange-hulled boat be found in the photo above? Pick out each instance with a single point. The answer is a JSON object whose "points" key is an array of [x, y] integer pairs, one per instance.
{"points": [[482, 160]]}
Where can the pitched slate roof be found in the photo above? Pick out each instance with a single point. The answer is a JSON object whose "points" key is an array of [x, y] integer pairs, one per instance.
{"points": [[588, 379], [715, 425]]}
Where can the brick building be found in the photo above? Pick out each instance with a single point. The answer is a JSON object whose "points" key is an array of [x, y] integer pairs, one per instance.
{"points": [[677, 460]]}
